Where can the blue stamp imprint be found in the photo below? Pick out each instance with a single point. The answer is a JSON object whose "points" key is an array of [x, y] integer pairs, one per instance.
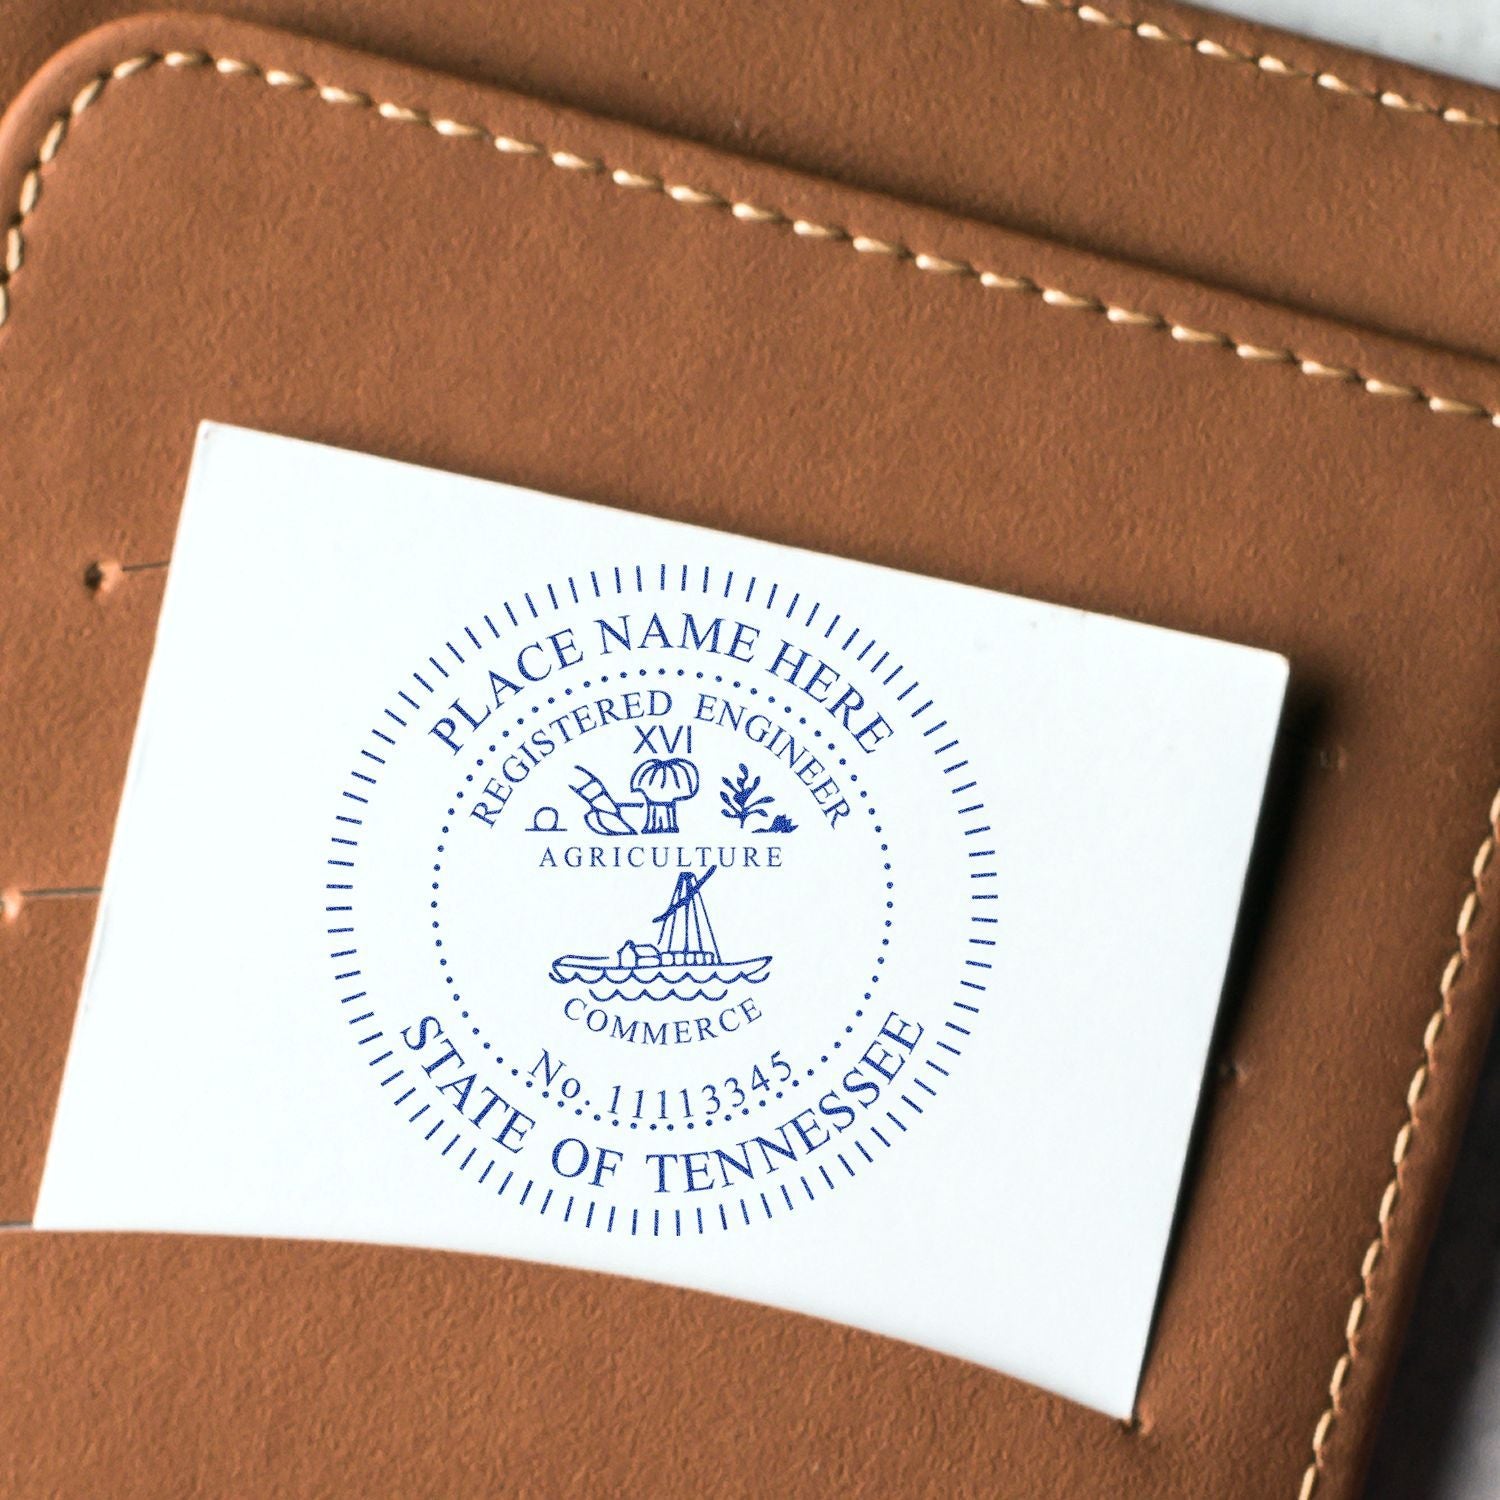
{"points": [[639, 872]]}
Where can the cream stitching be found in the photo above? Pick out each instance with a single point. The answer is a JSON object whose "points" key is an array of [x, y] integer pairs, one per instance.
{"points": [[1391, 1193], [1262, 62], [693, 197]]}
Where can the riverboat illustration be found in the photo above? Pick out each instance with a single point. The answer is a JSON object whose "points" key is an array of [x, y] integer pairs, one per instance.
{"points": [[684, 963]]}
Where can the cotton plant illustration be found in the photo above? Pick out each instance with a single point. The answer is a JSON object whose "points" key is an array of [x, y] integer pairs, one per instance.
{"points": [[661, 785], [741, 803]]}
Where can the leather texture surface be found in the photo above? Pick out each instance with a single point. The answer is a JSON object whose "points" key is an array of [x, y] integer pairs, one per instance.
{"points": [[208, 236], [1293, 170]]}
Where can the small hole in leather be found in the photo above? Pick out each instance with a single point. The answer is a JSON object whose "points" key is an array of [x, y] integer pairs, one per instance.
{"points": [[100, 577]]}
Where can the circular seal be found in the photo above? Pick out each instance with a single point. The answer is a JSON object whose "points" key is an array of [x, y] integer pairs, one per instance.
{"points": [[661, 901]]}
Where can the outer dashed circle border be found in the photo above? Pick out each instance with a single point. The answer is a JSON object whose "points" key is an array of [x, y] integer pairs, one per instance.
{"points": [[631, 580]]}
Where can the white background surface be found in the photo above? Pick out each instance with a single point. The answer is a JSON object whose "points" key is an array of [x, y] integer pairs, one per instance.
{"points": [[1441, 1436], [1461, 37]]}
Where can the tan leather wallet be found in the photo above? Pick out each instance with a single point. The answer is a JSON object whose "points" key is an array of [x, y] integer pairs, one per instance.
{"points": [[1127, 307]]}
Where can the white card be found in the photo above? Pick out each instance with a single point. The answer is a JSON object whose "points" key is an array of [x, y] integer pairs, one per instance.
{"points": [[503, 873]]}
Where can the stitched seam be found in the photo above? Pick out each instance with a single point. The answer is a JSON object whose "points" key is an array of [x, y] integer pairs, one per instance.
{"points": [[688, 196], [1390, 1196], [1263, 62]]}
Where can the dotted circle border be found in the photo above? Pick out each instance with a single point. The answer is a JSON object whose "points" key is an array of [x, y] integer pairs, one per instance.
{"points": [[744, 1112]]}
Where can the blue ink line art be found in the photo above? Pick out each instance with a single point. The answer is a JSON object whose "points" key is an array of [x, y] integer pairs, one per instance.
{"points": [[684, 963], [604, 816], [662, 784]]}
